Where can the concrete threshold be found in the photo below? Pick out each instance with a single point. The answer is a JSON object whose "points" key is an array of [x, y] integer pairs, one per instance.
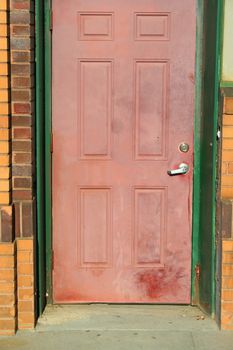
{"points": [[121, 327]]}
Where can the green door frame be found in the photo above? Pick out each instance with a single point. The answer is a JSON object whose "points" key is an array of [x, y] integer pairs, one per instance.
{"points": [[44, 158]]}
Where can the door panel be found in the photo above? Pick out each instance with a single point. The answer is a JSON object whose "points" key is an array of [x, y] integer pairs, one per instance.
{"points": [[123, 93]]}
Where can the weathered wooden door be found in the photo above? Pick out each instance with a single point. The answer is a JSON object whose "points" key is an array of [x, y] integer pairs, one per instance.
{"points": [[123, 102]]}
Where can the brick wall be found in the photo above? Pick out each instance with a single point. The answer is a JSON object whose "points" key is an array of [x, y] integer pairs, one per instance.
{"points": [[17, 291], [227, 213], [8, 299]]}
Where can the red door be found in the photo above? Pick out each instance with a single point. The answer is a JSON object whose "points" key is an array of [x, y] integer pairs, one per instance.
{"points": [[123, 102]]}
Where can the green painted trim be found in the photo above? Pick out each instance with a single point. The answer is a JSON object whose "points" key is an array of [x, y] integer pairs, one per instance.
{"points": [[226, 84], [48, 158], [197, 149], [215, 147], [40, 186]]}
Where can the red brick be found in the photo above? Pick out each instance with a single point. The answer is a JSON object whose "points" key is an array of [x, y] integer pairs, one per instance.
{"points": [[22, 158], [27, 219], [18, 30], [21, 56], [6, 224], [22, 182], [22, 146], [22, 194], [21, 108], [20, 4], [21, 120], [22, 82], [21, 170], [21, 95]]}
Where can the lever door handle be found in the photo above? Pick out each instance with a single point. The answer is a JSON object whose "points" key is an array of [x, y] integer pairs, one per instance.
{"points": [[183, 169]]}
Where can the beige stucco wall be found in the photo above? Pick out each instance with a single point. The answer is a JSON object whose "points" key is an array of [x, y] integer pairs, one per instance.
{"points": [[227, 63]]}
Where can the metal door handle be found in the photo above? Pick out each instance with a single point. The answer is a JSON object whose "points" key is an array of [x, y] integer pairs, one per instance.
{"points": [[183, 169]]}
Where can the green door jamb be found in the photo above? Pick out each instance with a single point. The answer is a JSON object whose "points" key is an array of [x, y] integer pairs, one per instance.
{"points": [[40, 169], [43, 156], [206, 281]]}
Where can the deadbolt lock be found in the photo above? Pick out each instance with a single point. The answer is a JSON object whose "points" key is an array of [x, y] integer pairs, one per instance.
{"points": [[184, 147]]}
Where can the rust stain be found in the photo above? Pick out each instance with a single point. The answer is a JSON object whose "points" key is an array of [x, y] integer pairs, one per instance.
{"points": [[191, 78]]}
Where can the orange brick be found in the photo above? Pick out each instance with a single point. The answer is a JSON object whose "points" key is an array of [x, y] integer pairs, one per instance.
{"points": [[7, 324], [227, 245], [3, 17], [25, 244], [7, 288], [227, 119], [4, 185], [227, 307], [26, 306], [227, 295], [7, 299], [4, 58], [4, 108], [7, 248], [4, 159], [228, 105], [227, 132], [4, 121], [24, 257], [227, 180], [7, 311], [228, 258], [227, 282], [4, 172], [25, 269], [4, 43], [227, 270], [230, 168], [3, 29], [4, 134], [4, 95], [7, 275], [25, 294], [5, 198], [26, 318], [3, 69], [227, 144], [224, 168], [227, 318], [4, 81], [4, 146], [227, 192], [227, 156], [3, 5], [25, 281], [7, 261], [226, 327]]}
